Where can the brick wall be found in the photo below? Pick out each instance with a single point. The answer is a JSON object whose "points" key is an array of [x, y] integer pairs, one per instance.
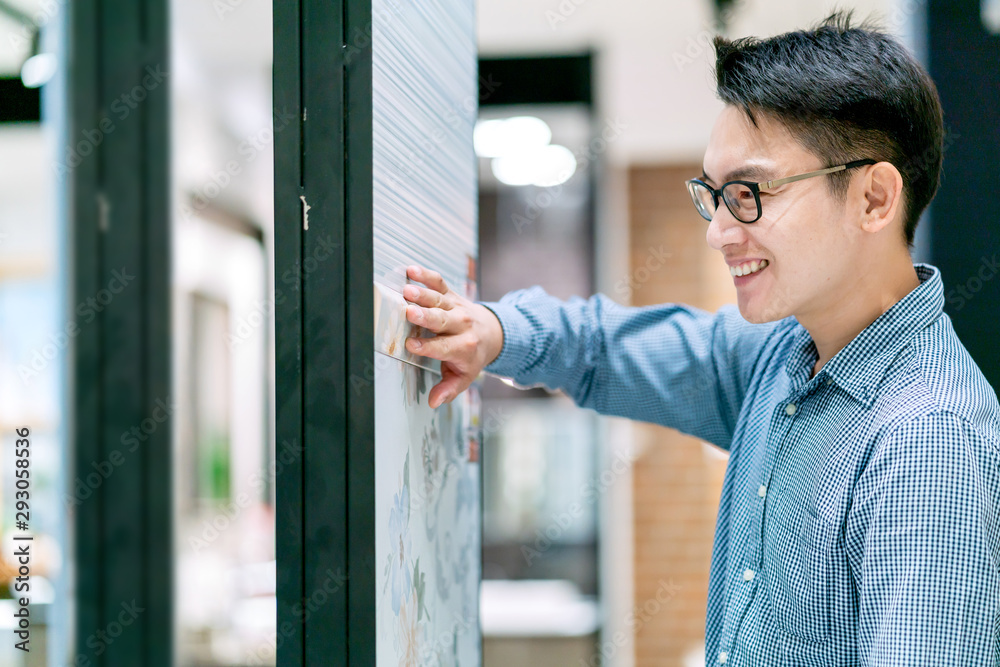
{"points": [[678, 479]]}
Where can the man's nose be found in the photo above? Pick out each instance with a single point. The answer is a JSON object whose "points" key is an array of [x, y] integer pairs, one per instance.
{"points": [[724, 229]]}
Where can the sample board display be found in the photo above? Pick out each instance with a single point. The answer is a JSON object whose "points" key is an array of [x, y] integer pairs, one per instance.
{"points": [[427, 546]]}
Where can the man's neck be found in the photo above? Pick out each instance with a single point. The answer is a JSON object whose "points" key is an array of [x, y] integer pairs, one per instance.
{"points": [[861, 304]]}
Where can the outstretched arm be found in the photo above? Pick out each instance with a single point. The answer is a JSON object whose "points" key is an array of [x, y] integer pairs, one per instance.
{"points": [[670, 364]]}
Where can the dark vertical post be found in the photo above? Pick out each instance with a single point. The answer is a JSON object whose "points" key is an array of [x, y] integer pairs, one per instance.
{"points": [[287, 87], [325, 302], [323, 334], [965, 241], [360, 371], [119, 189]]}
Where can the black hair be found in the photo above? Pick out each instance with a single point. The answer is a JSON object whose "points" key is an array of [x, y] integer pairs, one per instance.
{"points": [[846, 93]]}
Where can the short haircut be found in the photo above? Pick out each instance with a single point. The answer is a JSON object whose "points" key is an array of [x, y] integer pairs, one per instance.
{"points": [[846, 93]]}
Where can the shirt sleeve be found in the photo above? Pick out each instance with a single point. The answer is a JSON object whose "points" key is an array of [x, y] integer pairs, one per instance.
{"points": [[668, 364], [927, 524]]}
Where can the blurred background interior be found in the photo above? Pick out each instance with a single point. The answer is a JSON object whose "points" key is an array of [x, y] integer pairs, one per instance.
{"points": [[597, 533]]}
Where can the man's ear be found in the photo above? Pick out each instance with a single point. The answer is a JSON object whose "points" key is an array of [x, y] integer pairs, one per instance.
{"points": [[883, 191]]}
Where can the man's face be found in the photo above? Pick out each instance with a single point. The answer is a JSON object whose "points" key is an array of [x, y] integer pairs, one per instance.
{"points": [[804, 233]]}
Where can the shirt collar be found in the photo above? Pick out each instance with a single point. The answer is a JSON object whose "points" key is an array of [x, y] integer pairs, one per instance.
{"points": [[859, 367]]}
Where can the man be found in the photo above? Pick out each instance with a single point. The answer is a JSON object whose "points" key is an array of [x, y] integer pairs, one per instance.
{"points": [[860, 515]]}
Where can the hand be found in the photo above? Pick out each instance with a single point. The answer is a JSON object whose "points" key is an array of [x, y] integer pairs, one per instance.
{"points": [[469, 336]]}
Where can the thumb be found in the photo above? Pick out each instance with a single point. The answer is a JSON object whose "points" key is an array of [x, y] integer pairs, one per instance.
{"points": [[450, 386]]}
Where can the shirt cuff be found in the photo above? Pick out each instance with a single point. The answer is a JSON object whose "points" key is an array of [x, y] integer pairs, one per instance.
{"points": [[516, 339]]}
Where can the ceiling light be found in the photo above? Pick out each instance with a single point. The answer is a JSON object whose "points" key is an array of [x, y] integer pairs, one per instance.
{"points": [[37, 70], [545, 167], [496, 138]]}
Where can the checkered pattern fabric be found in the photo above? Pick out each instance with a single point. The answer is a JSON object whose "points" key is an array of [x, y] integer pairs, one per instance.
{"points": [[860, 514]]}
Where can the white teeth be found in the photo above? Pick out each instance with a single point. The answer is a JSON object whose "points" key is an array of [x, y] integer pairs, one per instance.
{"points": [[748, 268]]}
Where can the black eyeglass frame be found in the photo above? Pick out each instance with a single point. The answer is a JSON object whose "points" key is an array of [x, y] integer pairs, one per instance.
{"points": [[756, 188]]}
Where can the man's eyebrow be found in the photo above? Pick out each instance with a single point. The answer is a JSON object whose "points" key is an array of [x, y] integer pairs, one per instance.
{"points": [[757, 173]]}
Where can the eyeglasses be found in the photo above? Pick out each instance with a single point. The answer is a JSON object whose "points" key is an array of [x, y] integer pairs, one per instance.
{"points": [[743, 197]]}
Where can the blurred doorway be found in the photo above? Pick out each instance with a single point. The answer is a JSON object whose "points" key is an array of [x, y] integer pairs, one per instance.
{"points": [[537, 172]]}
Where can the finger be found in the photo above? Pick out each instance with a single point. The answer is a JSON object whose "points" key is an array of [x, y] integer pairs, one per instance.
{"points": [[445, 391], [426, 298], [437, 347], [430, 278], [432, 319]]}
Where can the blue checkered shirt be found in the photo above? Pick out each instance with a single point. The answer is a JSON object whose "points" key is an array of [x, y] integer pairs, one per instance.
{"points": [[860, 515]]}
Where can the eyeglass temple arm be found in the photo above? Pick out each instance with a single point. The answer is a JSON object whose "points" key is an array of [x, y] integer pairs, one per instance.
{"points": [[767, 185]]}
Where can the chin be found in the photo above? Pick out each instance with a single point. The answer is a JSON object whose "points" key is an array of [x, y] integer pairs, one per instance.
{"points": [[756, 315], [753, 317]]}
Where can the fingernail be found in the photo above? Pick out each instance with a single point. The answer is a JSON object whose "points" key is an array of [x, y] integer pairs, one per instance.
{"points": [[415, 343], [418, 315]]}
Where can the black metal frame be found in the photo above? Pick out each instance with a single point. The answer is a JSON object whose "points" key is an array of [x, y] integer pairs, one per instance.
{"points": [[323, 334], [119, 222]]}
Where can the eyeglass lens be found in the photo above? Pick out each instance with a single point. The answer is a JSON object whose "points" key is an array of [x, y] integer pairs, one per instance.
{"points": [[739, 199], [703, 199]]}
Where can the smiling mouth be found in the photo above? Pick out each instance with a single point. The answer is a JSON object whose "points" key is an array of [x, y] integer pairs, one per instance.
{"points": [[750, 269]]}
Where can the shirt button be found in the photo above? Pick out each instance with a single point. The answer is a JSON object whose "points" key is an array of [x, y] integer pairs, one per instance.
{"points": [[790, 409], [748, 575], [762, 491], [829, 380], [723, 656]]}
